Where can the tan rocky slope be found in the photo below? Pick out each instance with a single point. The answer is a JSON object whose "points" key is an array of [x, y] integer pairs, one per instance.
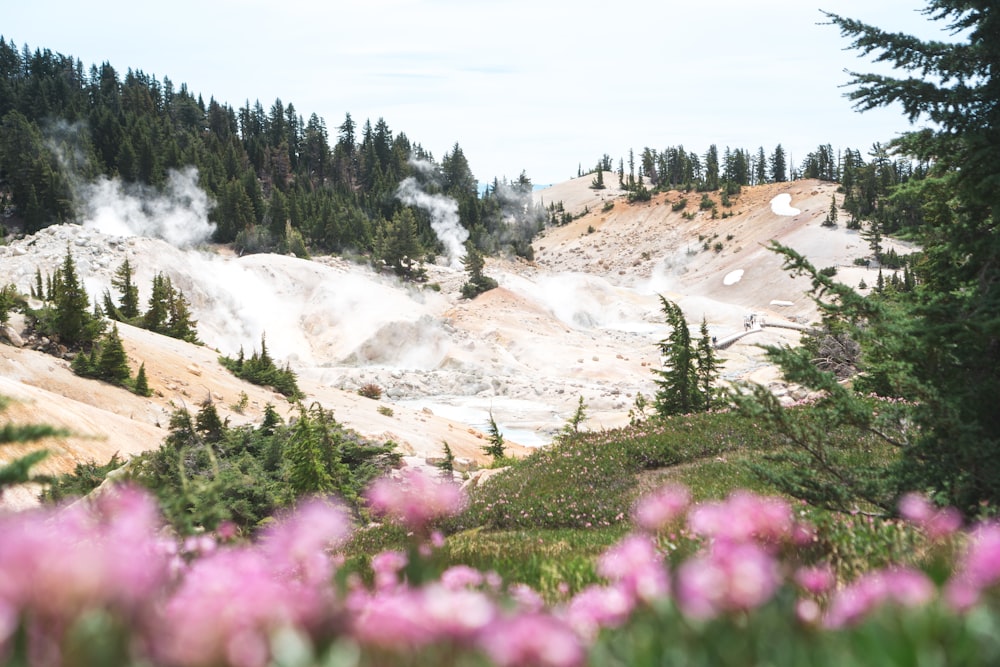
{"points": [[581, 321]]}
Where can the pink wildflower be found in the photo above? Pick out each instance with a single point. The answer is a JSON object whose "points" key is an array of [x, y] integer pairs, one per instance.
{"points": [[298, 543], [597, 607], [526, 597], [228, 606], [815, 580], [637, 566], [458, 577], [662, 508], [387, 565], [903, 586], [730, 577], [978, 568], [936, 522], [390, 618], [416, 499], [743, 516], [76, 558], [538, 640], [410, 618]]}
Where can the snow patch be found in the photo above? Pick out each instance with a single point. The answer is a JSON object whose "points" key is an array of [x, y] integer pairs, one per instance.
{"points": [[782, 205], [733, 277], [778, 302]]}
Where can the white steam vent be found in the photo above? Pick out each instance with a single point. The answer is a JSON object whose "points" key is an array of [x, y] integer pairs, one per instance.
{"points": [[177, 214]]}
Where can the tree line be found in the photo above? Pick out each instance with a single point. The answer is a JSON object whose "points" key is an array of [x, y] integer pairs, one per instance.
{"points": [[276, 177]]}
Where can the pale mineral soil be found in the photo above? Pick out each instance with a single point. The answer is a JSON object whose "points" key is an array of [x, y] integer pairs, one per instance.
{"points": [[582, 320]]}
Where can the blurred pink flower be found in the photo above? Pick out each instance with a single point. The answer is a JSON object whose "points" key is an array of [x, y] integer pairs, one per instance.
{"points": [[535, 640], [742, 517], [387, 565], [409, 618], [816, 580], [729, 577], [390, 618], [526, 597], [978, 568], [299, 543], [662, 508], [105, 553], [936, 522], [461, 576], [416, 499], [597, 607], [637, 566], [903, 586], [228, 606]]}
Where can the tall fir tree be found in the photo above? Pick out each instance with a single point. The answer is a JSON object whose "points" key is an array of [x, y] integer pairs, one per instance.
{"points": [[112, 364], [128, 300], [677, 384]]}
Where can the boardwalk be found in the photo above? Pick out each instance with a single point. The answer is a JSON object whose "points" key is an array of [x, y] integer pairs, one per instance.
{"points": [[755, 323]]}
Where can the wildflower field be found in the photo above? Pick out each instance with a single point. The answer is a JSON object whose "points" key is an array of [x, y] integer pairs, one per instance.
{"points": [[591, 552]]}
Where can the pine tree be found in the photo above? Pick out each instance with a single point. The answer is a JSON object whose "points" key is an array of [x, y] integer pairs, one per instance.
{"points": [[141, 386], [18, 470], [495, 447], [936, 348], [181, 325], [707, 368], [831, 216], [208, 424], [303, 460], [447, 463], [72, 322], [112, 365], [677, 384], [779, 170], [478, 282], [598, 182], [158, 313], [128, 302]]}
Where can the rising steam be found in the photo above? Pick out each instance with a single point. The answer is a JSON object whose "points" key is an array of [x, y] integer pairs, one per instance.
{"points": [[444, 218], [177, 214]]}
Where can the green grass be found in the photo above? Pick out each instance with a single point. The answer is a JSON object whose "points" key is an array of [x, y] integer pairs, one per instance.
{"points": [[544, 521]]}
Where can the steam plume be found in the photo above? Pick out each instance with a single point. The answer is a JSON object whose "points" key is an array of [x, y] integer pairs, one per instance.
{"points": [[178, 214], [444, 218]]}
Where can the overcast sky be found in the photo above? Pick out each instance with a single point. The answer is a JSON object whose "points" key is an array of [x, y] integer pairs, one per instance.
{"points": [[539, 86]]}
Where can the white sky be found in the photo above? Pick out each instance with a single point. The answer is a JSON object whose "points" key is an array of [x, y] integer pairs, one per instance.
{"points": [[539, 86]]}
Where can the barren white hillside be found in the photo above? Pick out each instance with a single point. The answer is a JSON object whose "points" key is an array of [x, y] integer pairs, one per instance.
{"points": [[582, 320]]}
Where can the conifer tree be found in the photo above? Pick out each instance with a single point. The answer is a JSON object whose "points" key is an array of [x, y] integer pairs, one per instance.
{"points": [[112, 365], [598, 182], [128, 302], [72, 321], [158, 313], [478, 282], [447, 463], [208, 424], [181, 325], [707, 368], [303, 460], [936, 347], [495, 446], [141, 386], [779, 169], [678, 382]]}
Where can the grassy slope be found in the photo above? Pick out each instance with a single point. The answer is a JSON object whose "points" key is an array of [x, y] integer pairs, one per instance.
{"points": [[545, 520]]}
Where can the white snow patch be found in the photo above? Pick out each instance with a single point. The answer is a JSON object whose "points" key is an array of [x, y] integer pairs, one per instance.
{"points": [[733, 277], [778, 302], [782, 205]]}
